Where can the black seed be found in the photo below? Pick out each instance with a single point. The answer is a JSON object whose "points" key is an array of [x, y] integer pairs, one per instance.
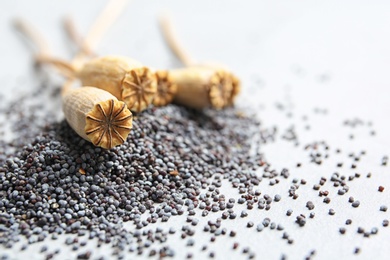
{"points": [[310, 205], [355, 204]]}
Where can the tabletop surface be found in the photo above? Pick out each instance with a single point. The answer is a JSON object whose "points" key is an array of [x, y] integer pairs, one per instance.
{"points": [[316, 71]]}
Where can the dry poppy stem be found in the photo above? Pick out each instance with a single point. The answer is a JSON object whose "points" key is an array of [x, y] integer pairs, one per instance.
{"points": [[75, 37], [33, 36], [106, 19], [199, 85], [99, 27], [171, 39], [42, 49]]}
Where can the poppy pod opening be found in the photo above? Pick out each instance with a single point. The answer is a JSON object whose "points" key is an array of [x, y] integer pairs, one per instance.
{"points": [[97, 116]]}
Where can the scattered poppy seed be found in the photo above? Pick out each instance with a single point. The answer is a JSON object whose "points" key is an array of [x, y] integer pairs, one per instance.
{"points": [[301, 220], [266, 222], [272, 225], [360, 230], [310, 205], [163, 170], [259, 227], [355, 204]]}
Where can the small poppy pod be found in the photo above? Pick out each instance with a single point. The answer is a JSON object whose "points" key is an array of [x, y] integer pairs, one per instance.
{"points": [[126, 79], [201, 87], [166, 88], [236, 84], [97, 116]]}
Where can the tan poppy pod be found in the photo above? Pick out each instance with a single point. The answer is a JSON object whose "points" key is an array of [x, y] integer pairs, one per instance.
{"points": [[97, 116], [236, 84], [201, 87], [166, 88], [125, 78]]}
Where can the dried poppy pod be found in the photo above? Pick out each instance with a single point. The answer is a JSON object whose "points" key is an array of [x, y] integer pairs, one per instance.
{"points": [[166, 88], [236, 84], [125, 78], [97, 116], [201, 87]]}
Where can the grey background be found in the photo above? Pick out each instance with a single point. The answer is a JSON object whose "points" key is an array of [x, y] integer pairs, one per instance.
{"points": [[308, 55]]}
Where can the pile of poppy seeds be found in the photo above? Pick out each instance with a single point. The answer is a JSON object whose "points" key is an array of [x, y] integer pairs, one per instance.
{"points": [[176, 162]]}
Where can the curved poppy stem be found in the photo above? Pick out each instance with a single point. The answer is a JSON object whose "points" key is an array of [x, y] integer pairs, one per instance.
{"points": [[172, 40]]}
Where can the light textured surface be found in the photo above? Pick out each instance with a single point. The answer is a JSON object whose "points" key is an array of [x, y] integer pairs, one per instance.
{"points": [[324, 61]]}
